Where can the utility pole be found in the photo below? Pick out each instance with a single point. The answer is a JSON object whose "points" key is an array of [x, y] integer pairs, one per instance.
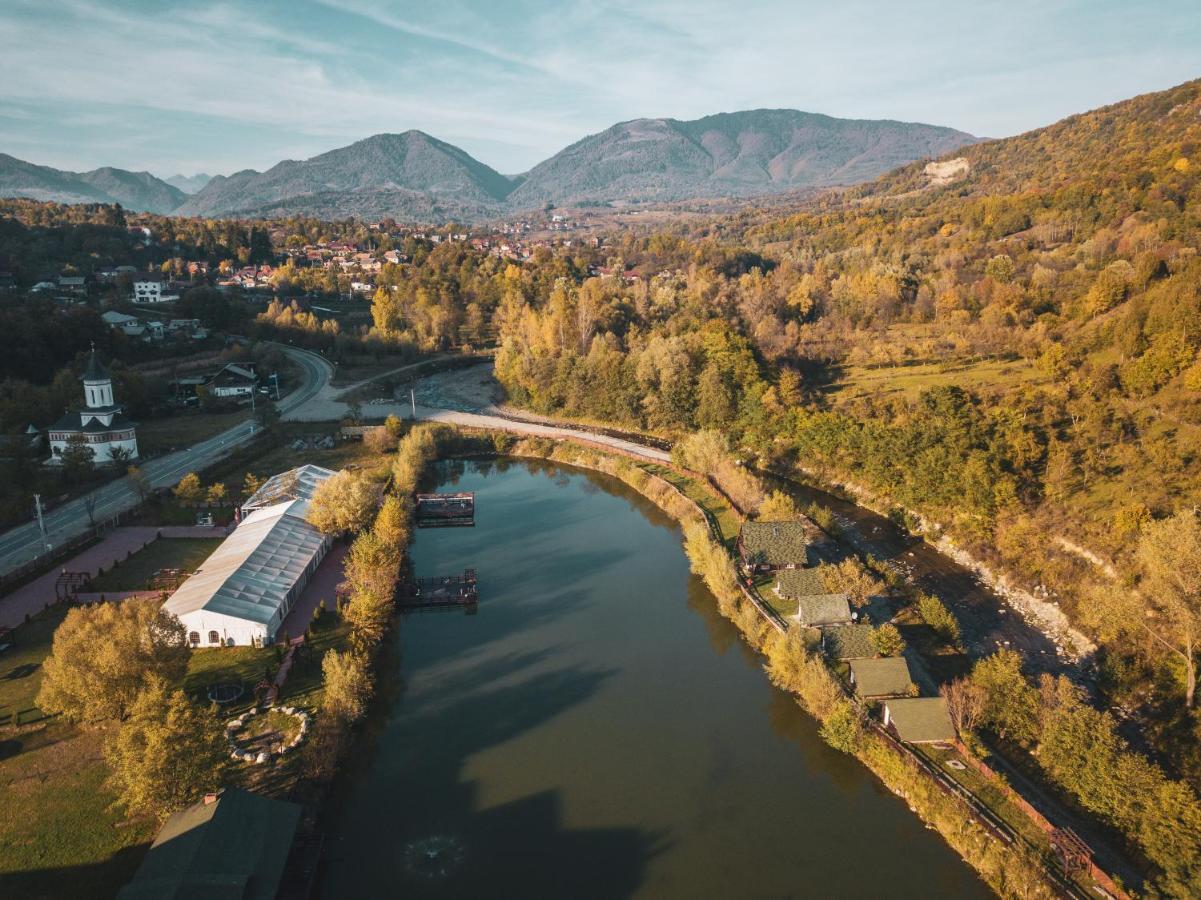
{"points": [[413, 403], [37, 505]]}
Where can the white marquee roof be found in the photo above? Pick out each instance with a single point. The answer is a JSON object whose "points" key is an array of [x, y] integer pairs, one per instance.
{"points": [[294, 484], [250, 574]]}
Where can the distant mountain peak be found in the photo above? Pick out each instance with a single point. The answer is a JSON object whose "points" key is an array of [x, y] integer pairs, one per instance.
{"points": [[410, 173]]}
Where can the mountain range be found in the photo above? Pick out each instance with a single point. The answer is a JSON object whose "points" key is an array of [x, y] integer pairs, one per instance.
{"points": [[415, 176]]}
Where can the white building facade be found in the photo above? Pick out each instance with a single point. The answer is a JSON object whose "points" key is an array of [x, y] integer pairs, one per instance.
{"points": [[101, 425]]}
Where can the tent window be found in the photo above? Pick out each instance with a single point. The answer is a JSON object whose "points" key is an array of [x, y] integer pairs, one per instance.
{"points": [[194, 638], [214, 638]]}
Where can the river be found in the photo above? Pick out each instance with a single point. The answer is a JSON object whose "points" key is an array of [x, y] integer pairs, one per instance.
{"points": [[598, 730]]}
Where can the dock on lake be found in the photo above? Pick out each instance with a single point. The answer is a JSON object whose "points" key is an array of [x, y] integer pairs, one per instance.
{"points": [[440, 592], [445, 510]]}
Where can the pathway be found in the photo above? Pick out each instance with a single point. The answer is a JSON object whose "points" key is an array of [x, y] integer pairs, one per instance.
{"points": [[35, 596]]}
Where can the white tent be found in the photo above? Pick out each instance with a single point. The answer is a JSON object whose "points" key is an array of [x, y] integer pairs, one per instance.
{"points": [[294, 484], [245, 590]]}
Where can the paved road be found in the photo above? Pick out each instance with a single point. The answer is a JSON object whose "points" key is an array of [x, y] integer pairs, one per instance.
{"points": [[23, 543]]}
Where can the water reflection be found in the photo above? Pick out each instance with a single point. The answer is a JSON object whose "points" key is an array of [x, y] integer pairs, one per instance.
{"points": [[590, 733]]}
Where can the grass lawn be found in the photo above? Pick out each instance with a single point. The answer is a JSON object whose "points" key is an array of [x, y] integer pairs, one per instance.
{"points": [[134, 574], [59, 836], [727, 520], [249, 665], [182, 431]]}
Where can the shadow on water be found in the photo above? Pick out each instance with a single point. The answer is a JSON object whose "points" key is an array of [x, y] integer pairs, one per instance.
{"points": [[589, 733]]}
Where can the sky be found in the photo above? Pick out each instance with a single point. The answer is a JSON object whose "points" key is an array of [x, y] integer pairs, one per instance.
{"points": [[197, 86]]}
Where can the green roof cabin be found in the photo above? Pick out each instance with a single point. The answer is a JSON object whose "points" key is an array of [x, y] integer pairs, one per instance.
{"points": [[919, 720], [824, 610], [848, 641], [231, 846], [794, 583], [887, 677], [768, 546]]}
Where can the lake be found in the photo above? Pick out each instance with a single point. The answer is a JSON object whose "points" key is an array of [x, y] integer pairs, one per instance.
{"points": [[598, 730]]}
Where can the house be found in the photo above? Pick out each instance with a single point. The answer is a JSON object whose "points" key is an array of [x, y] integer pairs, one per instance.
{"points": [[101, 423], [848, 641], [129, 325], [231, 844], [792, 584], [74, 284], [147, 289], [919, 720], [233, 381], [242, 593], [770, 546], [886, 677], [824, 610]]}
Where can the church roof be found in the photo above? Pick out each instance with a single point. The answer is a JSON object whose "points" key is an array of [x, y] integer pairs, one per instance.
{"points": [[95, 370], [72, 421]]}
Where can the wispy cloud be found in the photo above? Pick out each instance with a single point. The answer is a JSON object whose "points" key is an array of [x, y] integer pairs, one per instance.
{"points": [[179, 84]]}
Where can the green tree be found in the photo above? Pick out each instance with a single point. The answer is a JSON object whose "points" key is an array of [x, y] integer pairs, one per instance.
{"points": [[1010, 703], [103, 655], [935, 614], [1169, 552], [887, 640], [778, 507], [78, 459], [167, 754], [843, 728]]}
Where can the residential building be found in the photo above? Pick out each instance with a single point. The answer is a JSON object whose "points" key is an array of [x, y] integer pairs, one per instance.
{"points": [[824, 610], [147, 289], [848, 641], [919, 720], [231, 844], [886, 677], [101, 423], [233, 381], [770, 546]]}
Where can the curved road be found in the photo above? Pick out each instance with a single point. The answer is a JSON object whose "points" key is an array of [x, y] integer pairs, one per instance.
{"points": [[23, 543]]}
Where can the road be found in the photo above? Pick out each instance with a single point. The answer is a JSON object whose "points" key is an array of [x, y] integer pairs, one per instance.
{"points": [[23, 543]]}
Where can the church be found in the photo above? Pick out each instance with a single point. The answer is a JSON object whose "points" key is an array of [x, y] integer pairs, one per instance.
{"points": [[101, 423]]}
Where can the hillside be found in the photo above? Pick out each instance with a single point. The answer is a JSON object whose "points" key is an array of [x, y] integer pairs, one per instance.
{"points": [[740, 154], [138, 191], [395, 174]]}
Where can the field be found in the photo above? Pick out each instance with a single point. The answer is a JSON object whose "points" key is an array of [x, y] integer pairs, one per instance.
{"points": [[59, 835], [182, 431], [166, 553], [855, 382]]}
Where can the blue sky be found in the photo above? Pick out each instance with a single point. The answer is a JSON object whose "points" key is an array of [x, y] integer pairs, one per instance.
{"points": [[221, 86]]}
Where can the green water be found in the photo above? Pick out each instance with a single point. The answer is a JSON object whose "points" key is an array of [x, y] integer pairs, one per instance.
{"points": [[597, 730]]}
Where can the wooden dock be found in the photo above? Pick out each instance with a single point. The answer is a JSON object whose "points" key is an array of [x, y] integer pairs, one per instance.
{"points": [[446, 510], [440, 592]]}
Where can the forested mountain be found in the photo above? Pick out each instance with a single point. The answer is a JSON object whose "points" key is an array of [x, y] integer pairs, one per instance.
{"points": [[387, 173], [189, 184], [741, 154], [415, 176], [139, 191]]}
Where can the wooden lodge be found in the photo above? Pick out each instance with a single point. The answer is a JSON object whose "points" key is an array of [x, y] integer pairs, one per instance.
{"points": [[445, 510], [440, 592]]}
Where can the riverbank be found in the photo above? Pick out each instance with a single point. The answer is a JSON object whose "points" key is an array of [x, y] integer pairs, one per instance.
{"points": [[1010, 868]]}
